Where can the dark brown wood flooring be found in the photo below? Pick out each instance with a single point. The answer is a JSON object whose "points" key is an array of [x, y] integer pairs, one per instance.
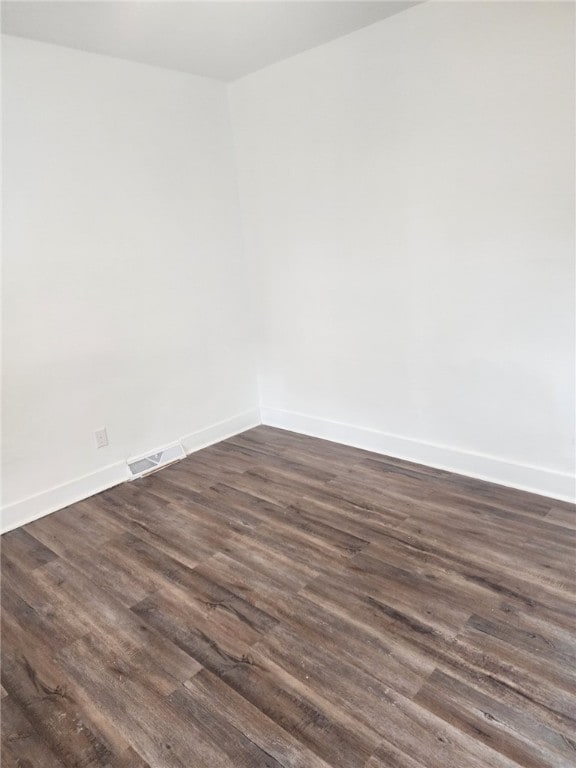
{"points": [[276, 600]]}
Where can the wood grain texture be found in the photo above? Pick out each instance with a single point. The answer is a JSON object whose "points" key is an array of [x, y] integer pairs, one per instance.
{"points": [[285, 602]]}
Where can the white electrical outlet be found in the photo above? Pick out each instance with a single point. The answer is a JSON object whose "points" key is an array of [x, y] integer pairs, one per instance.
{"points": [[101, 438]]}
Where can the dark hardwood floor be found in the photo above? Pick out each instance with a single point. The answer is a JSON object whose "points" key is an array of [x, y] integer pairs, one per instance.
{"points": [[276, 600]]}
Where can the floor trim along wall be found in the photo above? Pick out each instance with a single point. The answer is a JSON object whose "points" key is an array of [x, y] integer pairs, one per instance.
{"points": [[221, 430], [546, 482], [24, 511]]}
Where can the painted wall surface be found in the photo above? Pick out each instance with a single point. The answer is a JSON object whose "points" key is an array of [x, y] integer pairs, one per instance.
{"points": [[405, 258], [408, 193], [125, 291]]}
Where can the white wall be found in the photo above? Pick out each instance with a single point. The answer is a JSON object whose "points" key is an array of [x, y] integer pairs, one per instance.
{"points": [[409, 198], [408, 208], [125, 292]]}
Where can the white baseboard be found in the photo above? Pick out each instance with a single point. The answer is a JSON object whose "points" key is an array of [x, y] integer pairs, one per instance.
{"points": [[29, 509], [221, 430], [546, 482]]}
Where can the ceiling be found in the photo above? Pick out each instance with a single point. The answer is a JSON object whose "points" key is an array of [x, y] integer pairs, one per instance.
{"points": [[222, 40]]}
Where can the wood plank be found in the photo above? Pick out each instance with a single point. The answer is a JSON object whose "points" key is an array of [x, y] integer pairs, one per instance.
{"points": [[22, 745], [271, 737], [400, 667], [160, 732], [277, 600], [513, 732], [564, 517], [128, 759], [239, 748], [63, 715], [22, 549]]}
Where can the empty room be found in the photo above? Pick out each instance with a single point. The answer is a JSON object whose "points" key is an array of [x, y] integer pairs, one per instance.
{"points": [[288, 384]]}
